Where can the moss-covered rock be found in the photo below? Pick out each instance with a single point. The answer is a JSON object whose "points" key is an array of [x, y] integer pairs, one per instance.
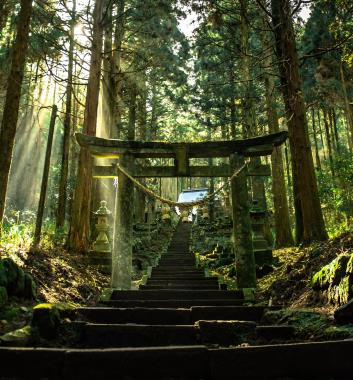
{"points": [[344, 314], [15, 277], [47, 318], [335, 280], [30, 287], [331, 274], [3, 296], [17, 338], [307, 323], [3, 276]]}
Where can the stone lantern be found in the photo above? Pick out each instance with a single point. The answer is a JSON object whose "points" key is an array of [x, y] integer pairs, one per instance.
{"points": [[166, 218], [205, 213], [102, 242], [185, 215], [262, 251]]}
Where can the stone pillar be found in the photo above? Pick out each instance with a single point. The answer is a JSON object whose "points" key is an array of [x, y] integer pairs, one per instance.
{"points": [[242, 232], [122, 243]]}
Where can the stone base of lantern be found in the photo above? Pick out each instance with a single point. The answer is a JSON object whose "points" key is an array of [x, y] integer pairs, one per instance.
{"points": [[263, 257], [101, 260]]}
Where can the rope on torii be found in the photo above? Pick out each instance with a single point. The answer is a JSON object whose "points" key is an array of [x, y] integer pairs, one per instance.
{"points": [[181, 205]]}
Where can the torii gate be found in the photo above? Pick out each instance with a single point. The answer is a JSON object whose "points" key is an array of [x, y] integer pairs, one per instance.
{"points": [[236, 151]]}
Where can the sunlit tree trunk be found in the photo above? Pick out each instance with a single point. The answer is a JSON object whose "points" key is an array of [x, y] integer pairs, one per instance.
{"points": [[116, 73], [142, 128], [45, 178], [12, 101], [284, 236], [348, 108], [61, 210], [3, 13], [310, 224], [313, 123], [81, 207], [329, 141]]}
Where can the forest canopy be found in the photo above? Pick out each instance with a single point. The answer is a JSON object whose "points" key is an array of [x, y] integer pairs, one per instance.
{"points": [[188, 70]]}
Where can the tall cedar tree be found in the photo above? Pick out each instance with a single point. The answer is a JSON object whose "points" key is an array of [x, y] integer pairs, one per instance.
{"points": [[81, 207], [60, 217], [309, 219], [12, 101]]}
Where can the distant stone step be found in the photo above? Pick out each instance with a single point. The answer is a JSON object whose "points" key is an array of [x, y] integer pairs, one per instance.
{"points": [[176, 316], [172, 303], [180, 286], [126, 335], [171, 276], [177, 268], [176, 294], [174, 262], [183, 281]]}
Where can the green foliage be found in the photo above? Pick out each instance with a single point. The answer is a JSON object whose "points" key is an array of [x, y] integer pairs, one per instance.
{"points": [[336, 194]]}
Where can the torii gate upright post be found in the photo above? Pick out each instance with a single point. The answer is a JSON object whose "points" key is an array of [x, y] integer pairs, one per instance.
{"points": [[242, 231], [123, 227]]}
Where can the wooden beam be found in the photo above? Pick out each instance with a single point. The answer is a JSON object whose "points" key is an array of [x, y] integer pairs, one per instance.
{"points": [[108, 148], [170, 171]]}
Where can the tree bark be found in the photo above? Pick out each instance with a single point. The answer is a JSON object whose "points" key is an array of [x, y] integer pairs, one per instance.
{"points": [[117, 77], [310, 222], [64, 172], [12, 101], [329, 142], [317, 156], [81, 208], [4, 11], [348, 109], [284, 236], [43, 190]]}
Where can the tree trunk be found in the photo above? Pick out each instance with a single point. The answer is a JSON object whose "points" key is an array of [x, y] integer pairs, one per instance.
{"points": [[142, 128], [335, 130], [317, 156], [284, 236], [117, 77], [310, 222], [12, 101], [43, 190], [60, 217], [4, 11], [81, 207], [348, 108], [329, 142]]}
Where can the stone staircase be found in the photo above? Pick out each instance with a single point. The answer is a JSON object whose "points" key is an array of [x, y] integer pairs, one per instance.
{"points": [[180, 325]]}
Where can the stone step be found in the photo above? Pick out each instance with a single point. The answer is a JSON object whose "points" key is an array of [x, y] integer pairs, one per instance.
{"points": [[155, 363], [172, 303], [314, 360], [184, 281], [171, 276], [180, 263], [177, 316], [180, 286], [178, 257], [176, 294], [130, 335], [177, 268]]}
